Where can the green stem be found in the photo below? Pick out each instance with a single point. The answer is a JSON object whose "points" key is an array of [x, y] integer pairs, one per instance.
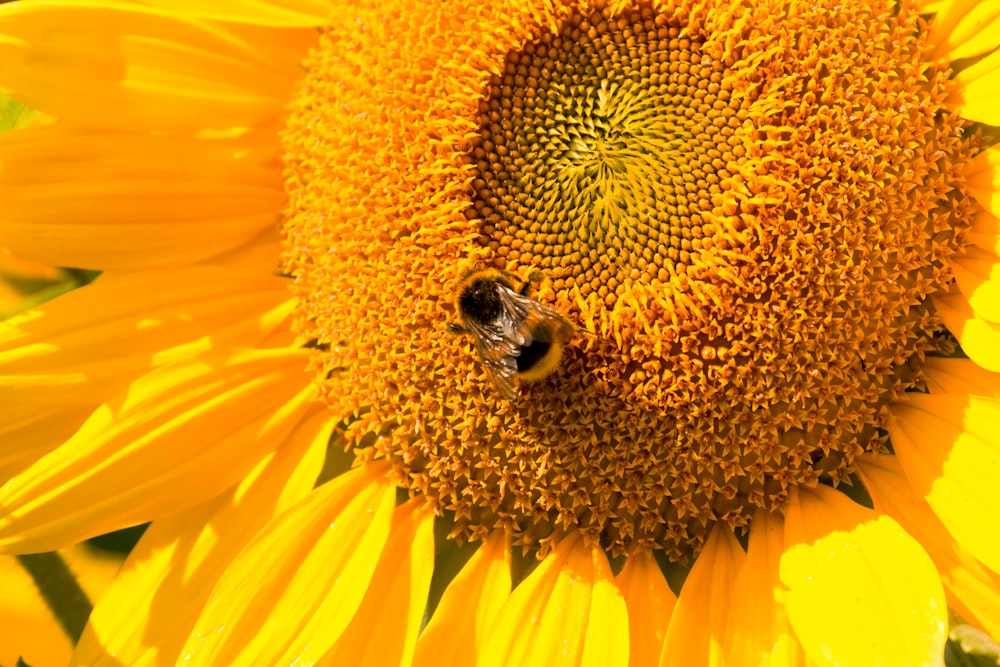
{"points": [[60, 590]]}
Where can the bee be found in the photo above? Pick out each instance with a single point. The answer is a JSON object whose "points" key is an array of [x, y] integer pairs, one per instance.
{"points": [[517, 337]]}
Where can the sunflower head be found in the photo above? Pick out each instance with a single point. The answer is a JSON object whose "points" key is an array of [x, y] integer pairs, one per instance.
{"points": [[743, 208]]}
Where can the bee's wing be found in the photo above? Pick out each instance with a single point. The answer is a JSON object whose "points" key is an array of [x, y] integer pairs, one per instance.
{"points": [[498, 353], [525, 320], [502, 373]]}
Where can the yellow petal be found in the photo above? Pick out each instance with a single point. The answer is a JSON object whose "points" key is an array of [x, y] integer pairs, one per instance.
{"points": [[697, 630], [567, 613], [977, 273], [857, 588], [291, 592], [29, 432], [979, 338], [983, 174], [384, 630], [949, 448], [272, 13], [180, 435], [960, 376], [109, 64], [977, 95], [88, 342], [259, 252], [59, 362], [147, 614], [758, 633], [972, 589], [58, 153], [984, 232], [157, 239], [650, 603], [966, 28], [468, 608], [91, 199]]}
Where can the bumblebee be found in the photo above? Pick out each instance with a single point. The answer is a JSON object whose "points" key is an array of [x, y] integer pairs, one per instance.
{"points": [[517, 337]]}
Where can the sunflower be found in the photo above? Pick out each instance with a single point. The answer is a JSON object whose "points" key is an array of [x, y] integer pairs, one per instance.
{"points": [[772, 224]]}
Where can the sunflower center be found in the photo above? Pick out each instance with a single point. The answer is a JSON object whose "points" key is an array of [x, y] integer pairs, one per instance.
{"points": [[743, 211], [600, 147]]}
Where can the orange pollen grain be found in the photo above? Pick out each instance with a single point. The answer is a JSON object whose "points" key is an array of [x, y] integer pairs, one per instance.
{"points": [[743, 210]]}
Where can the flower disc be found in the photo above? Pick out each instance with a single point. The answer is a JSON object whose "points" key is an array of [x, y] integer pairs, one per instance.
{"points": [[743, 209]]}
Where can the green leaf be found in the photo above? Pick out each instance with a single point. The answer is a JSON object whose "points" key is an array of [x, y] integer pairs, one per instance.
{"points": [[13, 114], [968, 647], [60, 590]]}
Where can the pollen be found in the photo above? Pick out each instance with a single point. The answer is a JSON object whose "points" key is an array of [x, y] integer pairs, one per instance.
{"points": [[742, 207]]}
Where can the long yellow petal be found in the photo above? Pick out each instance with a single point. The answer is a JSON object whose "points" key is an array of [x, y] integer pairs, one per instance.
{"points": [[92, 340], [980, 339], [117, 65], [984, 232], [972, 589], [59, 362], [59, 154], [29, 432], [260, 251], [758, 633], [949, 448], [105, 244], [180, 435], [384, 630], [978, 92], [291, 592], [966, 28], [977, 273], [960, 376], [983, 174], [697, 631], [567, 613], [271, 13], [857, 588], [146, 616], [468, 607], [92, 199], [650, 603]]}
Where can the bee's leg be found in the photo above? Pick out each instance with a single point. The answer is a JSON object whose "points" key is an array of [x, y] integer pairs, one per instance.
{"points": [[457, 328]]}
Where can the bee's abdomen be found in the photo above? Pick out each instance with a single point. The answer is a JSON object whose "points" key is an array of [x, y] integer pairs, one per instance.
{"points": [[531, 355]]}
